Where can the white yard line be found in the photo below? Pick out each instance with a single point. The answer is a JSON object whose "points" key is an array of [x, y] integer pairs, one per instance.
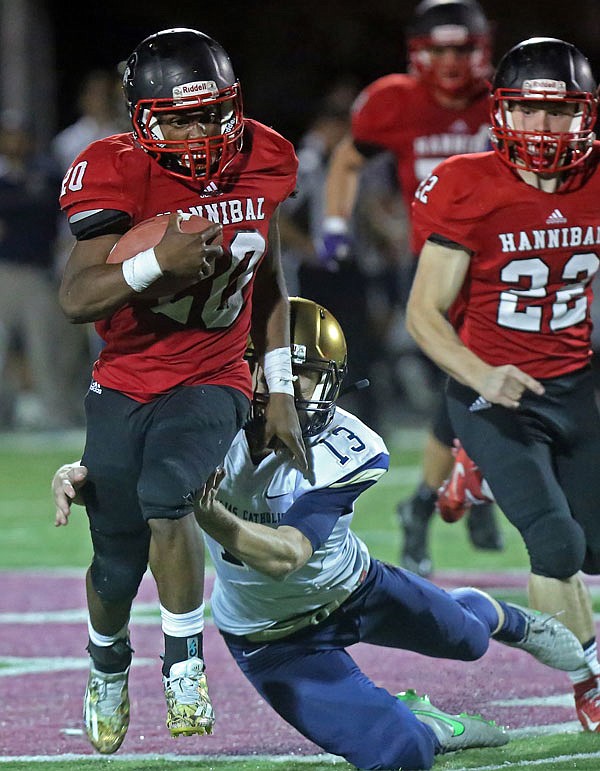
{"points": [[278, 759], [507, 764], [77, 615], [11, 666]]}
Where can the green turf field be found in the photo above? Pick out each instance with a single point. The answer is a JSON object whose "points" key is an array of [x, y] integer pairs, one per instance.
{"points": [[556, 753], [30, 540]]}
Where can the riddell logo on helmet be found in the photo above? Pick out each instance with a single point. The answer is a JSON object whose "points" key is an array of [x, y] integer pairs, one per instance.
{"points": [[193, 89], [449, 34], [541, 86]]}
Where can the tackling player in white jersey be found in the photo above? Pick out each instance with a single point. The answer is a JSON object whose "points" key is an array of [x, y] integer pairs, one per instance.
{"points": [[295, 586]]}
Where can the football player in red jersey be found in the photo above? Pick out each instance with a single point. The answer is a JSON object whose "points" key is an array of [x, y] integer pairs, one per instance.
{"points": [[501, 302], [171, 387], [296, 588], [437, 110]]}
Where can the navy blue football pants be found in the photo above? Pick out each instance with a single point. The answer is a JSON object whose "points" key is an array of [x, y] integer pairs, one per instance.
{"points": [[314, 684]]}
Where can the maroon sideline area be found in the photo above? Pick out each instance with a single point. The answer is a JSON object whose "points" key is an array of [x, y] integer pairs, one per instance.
{"points": [[52, 700]]}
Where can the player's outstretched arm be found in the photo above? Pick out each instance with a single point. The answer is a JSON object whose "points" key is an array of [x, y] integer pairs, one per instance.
{"points": [[275, 552]]}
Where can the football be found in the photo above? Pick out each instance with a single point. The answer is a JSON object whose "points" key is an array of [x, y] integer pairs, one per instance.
{"points": [[147, 234]]}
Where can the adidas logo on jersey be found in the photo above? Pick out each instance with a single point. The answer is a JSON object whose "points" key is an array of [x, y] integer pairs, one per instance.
{"points": [[210, 190], [481, 403], [556, 218]]}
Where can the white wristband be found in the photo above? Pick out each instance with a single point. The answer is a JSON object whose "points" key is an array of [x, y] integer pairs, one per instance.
{"points": [[141, 270], [278, 371], [337, 226]]}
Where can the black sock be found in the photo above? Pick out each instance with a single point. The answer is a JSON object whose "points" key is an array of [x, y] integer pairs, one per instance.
{"points": [[514, 626], [180, 649], [423, 501], [111, 658]]}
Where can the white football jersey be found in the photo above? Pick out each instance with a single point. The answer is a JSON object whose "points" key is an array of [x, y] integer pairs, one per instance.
{"points": [[347, 453]]}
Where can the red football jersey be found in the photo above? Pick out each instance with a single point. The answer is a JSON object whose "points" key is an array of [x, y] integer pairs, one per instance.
{"points": [[398, 113], [527, 294], [199, 335]]}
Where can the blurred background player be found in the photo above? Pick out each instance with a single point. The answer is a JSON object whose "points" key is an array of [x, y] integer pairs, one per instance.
{"points": [[171, 387], [360, 292], [501, 302], [32, 384], [438, 109], [301, 215], [295, 586]]}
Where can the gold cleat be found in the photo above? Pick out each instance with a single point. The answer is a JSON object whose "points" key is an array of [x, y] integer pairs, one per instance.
{"points": [[106, 709], [189, 710]]}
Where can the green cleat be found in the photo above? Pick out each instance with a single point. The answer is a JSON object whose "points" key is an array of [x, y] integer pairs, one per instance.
{"points": [[454, 732]]}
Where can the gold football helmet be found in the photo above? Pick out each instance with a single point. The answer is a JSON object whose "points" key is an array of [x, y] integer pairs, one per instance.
{"points": [[317, 344]]}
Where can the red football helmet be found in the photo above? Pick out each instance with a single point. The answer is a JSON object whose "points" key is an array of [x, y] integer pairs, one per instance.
{"points": [[538, 72], [182, 71], [440, 27]]}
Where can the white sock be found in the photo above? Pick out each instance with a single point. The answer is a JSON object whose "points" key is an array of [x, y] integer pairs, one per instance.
{"points": [[591, 656], [592, 668], [104, 640], [182, 624]]}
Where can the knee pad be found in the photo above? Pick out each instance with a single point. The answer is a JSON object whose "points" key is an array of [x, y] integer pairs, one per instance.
{"points": [[556, 546], [119, 563]]}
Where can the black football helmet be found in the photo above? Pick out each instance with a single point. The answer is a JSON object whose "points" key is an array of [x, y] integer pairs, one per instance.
{"points": [[183, 70], [317, 344], [543, 71], [461, 24]]}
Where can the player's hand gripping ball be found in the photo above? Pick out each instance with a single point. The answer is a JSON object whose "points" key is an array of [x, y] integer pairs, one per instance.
{"points": [[184, 260]]}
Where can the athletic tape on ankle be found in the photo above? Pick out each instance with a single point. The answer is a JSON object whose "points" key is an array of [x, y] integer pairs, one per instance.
{"points": [[141, 270], [278, 371]]}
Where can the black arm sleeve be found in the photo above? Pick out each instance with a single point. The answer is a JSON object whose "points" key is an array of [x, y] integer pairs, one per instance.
{"points": [[368, 150], [102, 222], [436, 238]]}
